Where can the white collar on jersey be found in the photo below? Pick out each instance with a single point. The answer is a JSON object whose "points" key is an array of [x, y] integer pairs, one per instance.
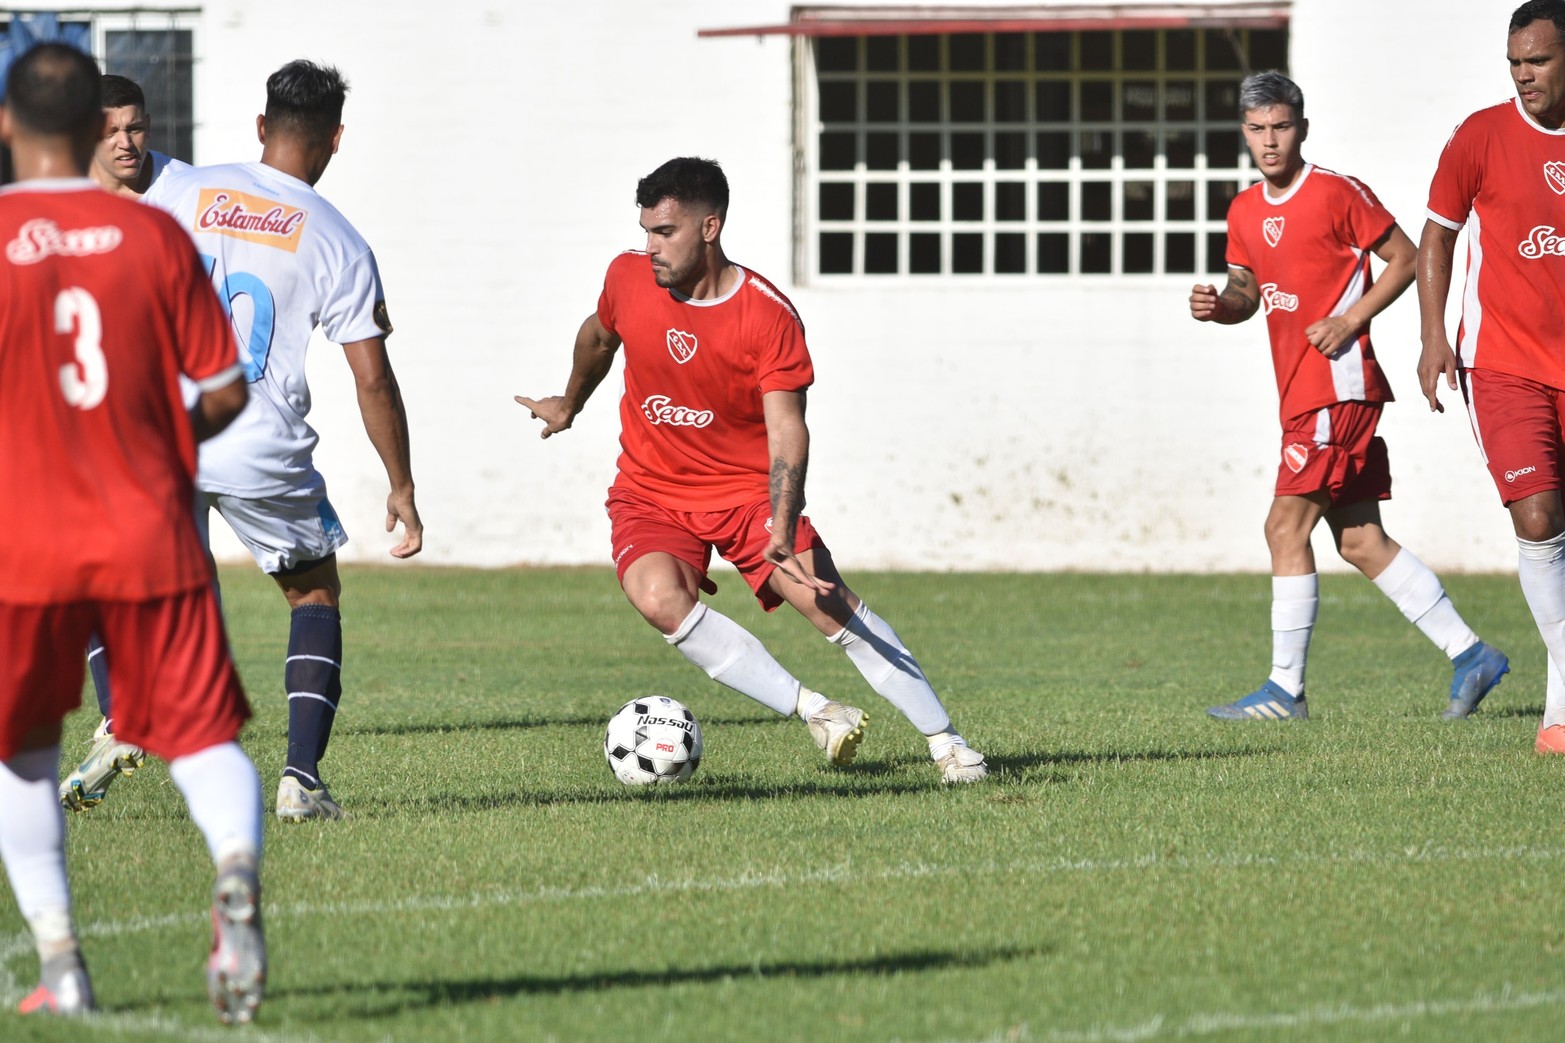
{"points": [[744, 277], [1292, 189], [1527, 117], [50, 184]]}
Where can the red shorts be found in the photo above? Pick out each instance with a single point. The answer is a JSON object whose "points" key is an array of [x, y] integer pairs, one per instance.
{"points": [[1518, 424], [175, 688], [740, 535], [1336, 451]]}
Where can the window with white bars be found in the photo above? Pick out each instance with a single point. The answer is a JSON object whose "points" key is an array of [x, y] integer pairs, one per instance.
{"points": [[1111, 152]]}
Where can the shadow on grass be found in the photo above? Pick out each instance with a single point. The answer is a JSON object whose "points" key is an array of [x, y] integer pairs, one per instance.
{"points": [[1063, 758], [502, 724], [418, 995], [1532, 710]]}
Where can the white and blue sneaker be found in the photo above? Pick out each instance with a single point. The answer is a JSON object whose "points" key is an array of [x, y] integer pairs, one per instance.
{"points": [[1478, 672], [1270, 702]]}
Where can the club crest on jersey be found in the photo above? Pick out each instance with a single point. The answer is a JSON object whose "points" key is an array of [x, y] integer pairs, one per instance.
{"points": [[1554, 174], [255, 219], [1296, 455], [1271, 228], [1273, 299], [681, 345], [41, 237], [660, 409]]}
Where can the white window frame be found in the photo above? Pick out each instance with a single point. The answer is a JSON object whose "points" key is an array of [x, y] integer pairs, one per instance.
{"points": [[809, 225]]}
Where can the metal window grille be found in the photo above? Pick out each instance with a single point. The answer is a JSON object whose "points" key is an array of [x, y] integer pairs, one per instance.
{"points": [[1024, 154]]}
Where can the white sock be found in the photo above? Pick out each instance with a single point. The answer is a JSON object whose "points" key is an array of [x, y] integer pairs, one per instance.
{"points": [[32, 844], [1416, 592], [1295, 603], [223, 792], [1554, 697], [941, 743], [732, 656], [810, 703], [1541, 569], [891, 670]]}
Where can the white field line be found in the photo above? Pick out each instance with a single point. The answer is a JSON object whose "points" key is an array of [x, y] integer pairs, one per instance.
{"points": [[17, 945]]}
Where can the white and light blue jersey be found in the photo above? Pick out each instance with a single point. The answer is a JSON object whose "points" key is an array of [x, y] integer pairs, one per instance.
{"points": [[284, 261]]}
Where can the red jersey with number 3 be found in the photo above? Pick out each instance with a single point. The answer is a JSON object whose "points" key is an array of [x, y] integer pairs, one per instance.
{"points": [[1503, 176], [103, 303], [692, 427], [1309, 250]]}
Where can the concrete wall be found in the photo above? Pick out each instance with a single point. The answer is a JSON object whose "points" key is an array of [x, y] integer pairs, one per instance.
{"points": [[491, 156]]}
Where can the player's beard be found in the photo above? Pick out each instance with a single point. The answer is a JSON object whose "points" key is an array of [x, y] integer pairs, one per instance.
{"points": [[670, 277]]}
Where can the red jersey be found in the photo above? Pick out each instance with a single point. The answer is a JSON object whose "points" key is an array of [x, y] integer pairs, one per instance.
{"points": [[692, 429], [1309, 250], [103, 303], [1503, 176]]}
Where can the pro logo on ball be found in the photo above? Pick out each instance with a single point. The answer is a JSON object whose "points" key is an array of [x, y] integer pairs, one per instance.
{"points": [[651, 740]]}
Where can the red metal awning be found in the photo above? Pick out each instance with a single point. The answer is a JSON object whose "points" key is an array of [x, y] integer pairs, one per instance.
{"points": [[930, 21]]}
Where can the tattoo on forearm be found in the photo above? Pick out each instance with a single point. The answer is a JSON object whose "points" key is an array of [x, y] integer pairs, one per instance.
{"points": [[1236, 295], [787, 487]]}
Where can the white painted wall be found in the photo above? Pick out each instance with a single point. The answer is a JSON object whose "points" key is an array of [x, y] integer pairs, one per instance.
{"points": [[491, 157]]}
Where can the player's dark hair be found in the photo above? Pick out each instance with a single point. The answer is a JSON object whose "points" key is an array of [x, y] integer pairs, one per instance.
{"points": [[1262, 90], [1533, 10], [686, 180], [305, 99], [53, 89], [120, 91]]}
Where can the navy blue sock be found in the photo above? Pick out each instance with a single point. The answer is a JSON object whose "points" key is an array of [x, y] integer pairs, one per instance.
{"points": [[98, 666], [313, 678]]}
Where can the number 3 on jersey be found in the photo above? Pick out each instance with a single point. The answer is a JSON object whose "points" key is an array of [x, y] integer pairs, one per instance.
{"points": [[85, 381], [253, 350]]}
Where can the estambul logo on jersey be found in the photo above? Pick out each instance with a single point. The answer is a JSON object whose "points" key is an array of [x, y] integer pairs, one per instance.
{"points": [[255, 219]]}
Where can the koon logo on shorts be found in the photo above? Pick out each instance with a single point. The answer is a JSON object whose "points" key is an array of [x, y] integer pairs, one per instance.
{"points": [[1272, 229], [1543, 242], [1511, 476], [659, 410], [1296, 455], [41, 237], [1273, 299], [681, 345], [1554, 176]]}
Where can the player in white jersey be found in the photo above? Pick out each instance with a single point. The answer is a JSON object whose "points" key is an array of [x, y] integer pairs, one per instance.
{"points": [[123, 165], [284, 261]]}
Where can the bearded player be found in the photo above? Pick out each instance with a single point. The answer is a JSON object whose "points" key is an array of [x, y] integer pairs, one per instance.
{"points": [[1298, 250], [714, 451]]}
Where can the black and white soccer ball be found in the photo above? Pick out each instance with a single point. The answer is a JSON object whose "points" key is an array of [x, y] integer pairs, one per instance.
{"points": [[652, 740]]}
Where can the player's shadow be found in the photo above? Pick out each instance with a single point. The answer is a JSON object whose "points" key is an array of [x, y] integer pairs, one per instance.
{"points": [[1533, 711], [1016, 764], [393, 998]]}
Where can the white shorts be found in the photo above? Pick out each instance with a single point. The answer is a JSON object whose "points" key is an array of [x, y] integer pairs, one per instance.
{"points": [[282, 531]]}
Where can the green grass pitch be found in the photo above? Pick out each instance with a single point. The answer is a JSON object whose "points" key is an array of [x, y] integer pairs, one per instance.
{"points": [[1134, 871]]}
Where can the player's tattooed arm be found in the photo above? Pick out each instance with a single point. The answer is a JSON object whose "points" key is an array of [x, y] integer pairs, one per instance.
{"points": [[788, 441], [1239, 299]]}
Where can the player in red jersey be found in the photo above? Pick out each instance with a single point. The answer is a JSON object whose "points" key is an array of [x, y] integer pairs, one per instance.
{"points": [[103, 306], [1298, 250], [1502, 174], [714, 451]]}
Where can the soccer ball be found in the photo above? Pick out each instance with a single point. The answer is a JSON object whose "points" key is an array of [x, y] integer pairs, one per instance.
{"points": [[651, 740]]}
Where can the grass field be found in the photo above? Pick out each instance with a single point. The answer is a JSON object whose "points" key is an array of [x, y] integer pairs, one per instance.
{"points": [[1134, 871]]}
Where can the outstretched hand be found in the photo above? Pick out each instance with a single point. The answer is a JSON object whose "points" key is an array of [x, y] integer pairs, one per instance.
{"points": [[553, 411], [788, 564]]}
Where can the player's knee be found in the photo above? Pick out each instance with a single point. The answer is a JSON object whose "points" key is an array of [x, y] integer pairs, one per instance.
{"points": [[663, 605]]}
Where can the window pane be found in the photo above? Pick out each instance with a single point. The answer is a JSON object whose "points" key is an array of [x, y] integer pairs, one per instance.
{"points": [[1222, 101], [880, 201], [1097, 253], [1097, 100], [1010, 201], [1010, 101], [968, 52], [1054, 150], [883, 102], [1179, 252], [1221, 52], [923, 150], [1054, 253], [967, 201], [836, 201], [1097, 149], [1054, 201], [839, 101], [1010, 52], [1097, 52], [1222, 149], [160, 60], [1010, 150], [1268, 49], [1140, 201], [880, 253], [924, 201], [1137, 247], [881, 150], [1179, 50], [1051, 52], [967, 102], [836, 54], [967, 253], [967, 151], [1216, 252], [1139, 100], [1179, 202], [1010, 253], [839, 150], [1139, 47], [923, 53], [882, 53], [1218, 195], [1140, 149], [1179, 149], [1179, 100], [1054, 101], [924, 253], [1097, 201], [836, 253], [923, 101]]}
